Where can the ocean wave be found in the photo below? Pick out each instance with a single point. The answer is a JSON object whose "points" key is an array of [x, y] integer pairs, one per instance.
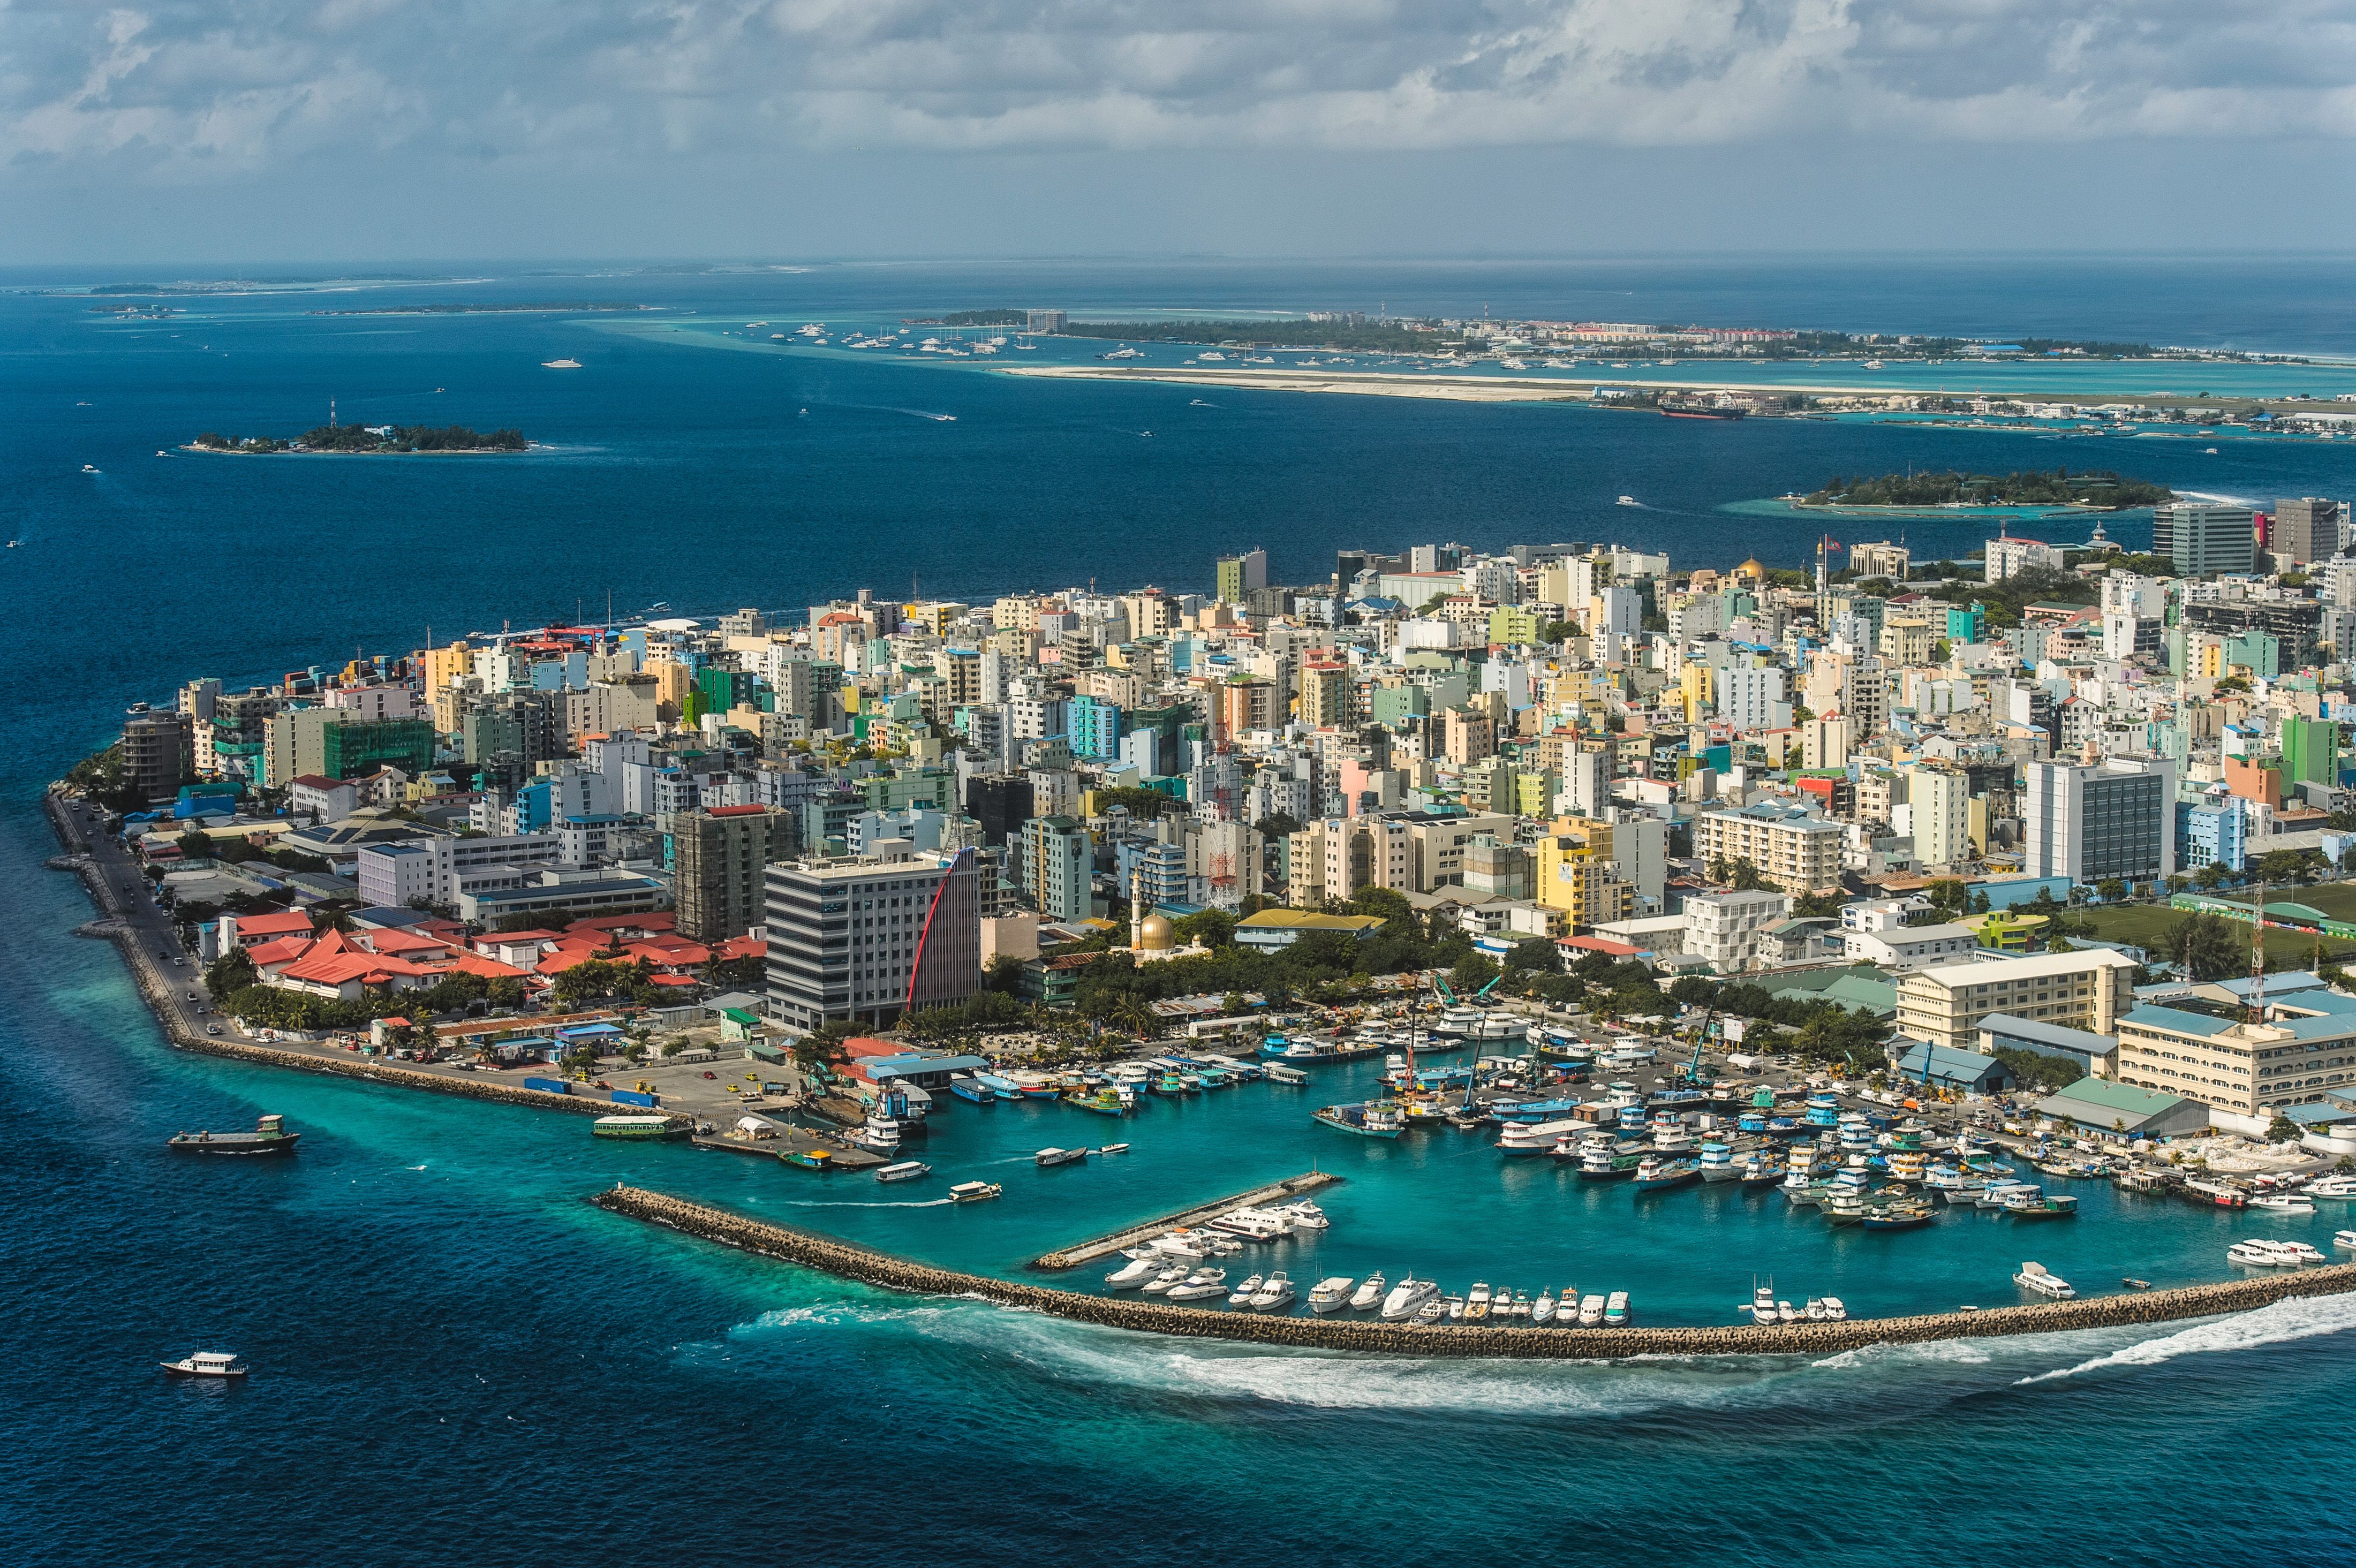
{"points": [[2301, 1317]]}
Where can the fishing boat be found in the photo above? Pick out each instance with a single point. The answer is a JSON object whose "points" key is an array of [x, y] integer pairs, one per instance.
{"points": [[269, 1136], [1759, 1170], [1408, 1297], [1368, 1295], [1901, 1216], [2032, 1204], [904, 1170], [1844, 1206], [2221, 1194], [1615, 1310], [1717, 1163], [1601, 1160], [1047, 1159], [1997, 1194], [1105, 1101], [220, 1364], [1331, 1294], [975, 1192], [808, 1158], [1374, 1119], [2036, 1278], [880, 1134], [1654, 1173]]}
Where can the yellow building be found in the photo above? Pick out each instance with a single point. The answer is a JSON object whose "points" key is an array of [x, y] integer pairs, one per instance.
{"points": [[1573, 878], [445, 665], [1698, 689]]}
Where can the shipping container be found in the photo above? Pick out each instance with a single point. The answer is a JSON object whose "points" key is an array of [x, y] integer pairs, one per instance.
{"points": [[633, 1097], [553, 1086]]}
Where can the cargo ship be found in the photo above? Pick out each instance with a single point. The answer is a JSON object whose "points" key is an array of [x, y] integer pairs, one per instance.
{"points": [[1699, 410], [269, 1136]]}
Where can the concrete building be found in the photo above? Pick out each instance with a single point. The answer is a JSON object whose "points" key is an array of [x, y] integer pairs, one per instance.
{"points": [[1057, 856], [1797, 852], [2298, 1055], [2204, 540], [1903, 947], [871, 938], [2010, 557], [720, 860], [442, 870], [2307, 530], [1241, 574], [1335, 858], [1727, 930], [158, 749], [1945, 1005], [2124, 1112], [2115, 818], [1939, 803]]}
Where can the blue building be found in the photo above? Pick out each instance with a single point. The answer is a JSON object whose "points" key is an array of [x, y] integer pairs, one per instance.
{"points": [[2215, 834], [1095, 727]]}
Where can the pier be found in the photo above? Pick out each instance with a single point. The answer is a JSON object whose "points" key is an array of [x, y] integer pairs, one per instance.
{"points": [[795, 1140], [1104, 1246], [848, 1261]]}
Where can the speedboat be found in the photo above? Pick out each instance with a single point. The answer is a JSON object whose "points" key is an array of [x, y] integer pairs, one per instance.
{"points": [[2284, 1203], [1136, 1272], [1834, 1311], [1627, 501], [1453, 1306], [1331, 1294], [1274, 1294], [2260, 1254], [1170, 1276], [1244, 1292], [1591, 1310], [1368, 1295], [1542, 1309], [205, 1364], [1406, 1296], [2033, 1276], [1615, 1309]]}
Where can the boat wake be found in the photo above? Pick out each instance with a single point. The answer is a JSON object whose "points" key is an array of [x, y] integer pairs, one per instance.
{"points": [[2298, 1318], [848, 1203]]}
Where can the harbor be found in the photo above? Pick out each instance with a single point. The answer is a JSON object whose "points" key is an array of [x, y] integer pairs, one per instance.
{"points": [[1104, 1246]]}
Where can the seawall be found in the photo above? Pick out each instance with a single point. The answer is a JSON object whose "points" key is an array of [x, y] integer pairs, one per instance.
{"points": [[155, 990], [869, 1268]]}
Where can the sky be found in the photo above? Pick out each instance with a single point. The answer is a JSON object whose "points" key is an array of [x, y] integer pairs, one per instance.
{"points": [[324, 130]]}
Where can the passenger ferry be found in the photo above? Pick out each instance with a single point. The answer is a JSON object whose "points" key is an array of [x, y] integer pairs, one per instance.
{"points": [[904, 1170]]}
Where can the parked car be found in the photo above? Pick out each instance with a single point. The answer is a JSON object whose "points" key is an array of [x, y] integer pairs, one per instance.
{"points": [[213, 1029], [715, 1076]]}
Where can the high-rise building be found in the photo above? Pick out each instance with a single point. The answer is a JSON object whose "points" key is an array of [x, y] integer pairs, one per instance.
{"points": [[1239, 575], [1057, 858], [720, 860], [872, 938], [1325, 694], [2307, 531], [155, 751], [1939, 803], [1047, 321], [2311, 748], [2115, 818], [2201, 541], [1797, 852], [1001, 802]]}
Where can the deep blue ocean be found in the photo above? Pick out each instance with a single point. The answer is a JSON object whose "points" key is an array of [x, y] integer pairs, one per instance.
{"points": [[459, 1360]]}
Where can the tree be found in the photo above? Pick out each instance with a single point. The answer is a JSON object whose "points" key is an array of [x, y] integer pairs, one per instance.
{"points": [[1748, 879], [232, 971], [2206, 946], [2111, 889], [2209, 877], [1537, 955], [1473, 972], [2283, 1130], [1949, 895], [1817, 906], [2283, 866]]}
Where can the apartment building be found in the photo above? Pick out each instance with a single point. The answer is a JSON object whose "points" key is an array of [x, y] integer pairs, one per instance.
{"points": [[720, 860], [1797, 852], [1945, 1004], [1728, 929], [2295, 1057]]}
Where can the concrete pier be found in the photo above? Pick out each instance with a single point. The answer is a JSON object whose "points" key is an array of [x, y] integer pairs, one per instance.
{"points": [[1106, 1245], [870, 1267], [797, 1140]]}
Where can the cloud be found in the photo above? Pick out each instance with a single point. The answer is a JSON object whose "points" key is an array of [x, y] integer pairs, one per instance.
{"points": [[247, 86]]}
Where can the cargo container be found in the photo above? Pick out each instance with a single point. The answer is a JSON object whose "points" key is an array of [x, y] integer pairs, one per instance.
{"points": [[553, 1085], [633, 1097]]}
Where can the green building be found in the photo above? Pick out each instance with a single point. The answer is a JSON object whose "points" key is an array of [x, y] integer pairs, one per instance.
{"points": [[2311, 748], [353, 751]]}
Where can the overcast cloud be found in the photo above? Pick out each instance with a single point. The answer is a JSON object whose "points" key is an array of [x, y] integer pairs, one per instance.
{"points": [[252, 84]]}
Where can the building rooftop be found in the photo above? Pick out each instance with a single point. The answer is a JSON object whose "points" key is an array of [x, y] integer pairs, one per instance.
{"points": [[1988, 971], [1309, 920]]}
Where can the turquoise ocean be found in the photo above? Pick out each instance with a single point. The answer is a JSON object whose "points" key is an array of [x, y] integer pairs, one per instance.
{"points": [[458, 1359]]}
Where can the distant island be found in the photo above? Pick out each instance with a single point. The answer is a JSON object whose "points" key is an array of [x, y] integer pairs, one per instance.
{"points": [[2093, 488], [368, 439], [540, 306]]}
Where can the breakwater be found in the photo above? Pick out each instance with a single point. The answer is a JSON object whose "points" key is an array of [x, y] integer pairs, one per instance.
{"points": [[870, 1267], [1112, 1241]]}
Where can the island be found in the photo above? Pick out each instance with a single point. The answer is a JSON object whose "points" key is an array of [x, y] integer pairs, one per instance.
{"points": [[2097, 488], [367, 439]]}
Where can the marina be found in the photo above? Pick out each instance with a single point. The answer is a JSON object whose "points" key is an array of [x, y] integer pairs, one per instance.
{"points": [[1097, 1247]]}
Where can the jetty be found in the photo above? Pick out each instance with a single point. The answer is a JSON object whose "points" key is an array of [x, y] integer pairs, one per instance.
{"points": [[796, 1140], [867, 1266], [1112, 1241]]}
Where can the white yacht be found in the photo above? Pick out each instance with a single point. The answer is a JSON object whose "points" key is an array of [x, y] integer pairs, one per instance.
{"points": [[1591, 1310], [2033, 1276], [1200, 1285], [1476, 1303], [1627, 501], [1306, 1216], [205, 1364], [1834, 1312], [2284, 1203], [1244, 1291], [2332, 1187], [1542, 1309], [1331, 1294], [1763, 1303], [1255, 1225], [1369, 1294], [1274, 1295], [1406, 1296], [1135, 1273]]}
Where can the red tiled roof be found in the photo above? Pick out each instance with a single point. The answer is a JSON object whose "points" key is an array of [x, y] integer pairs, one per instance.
{"points": [[278, 925]]}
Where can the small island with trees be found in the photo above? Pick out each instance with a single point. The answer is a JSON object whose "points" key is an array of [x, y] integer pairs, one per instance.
{"points": [[2097, 488], [368, 440]]}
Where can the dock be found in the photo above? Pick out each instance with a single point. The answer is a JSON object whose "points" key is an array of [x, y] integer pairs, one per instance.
{"points": [[1103, 1246], [794, 1140]]}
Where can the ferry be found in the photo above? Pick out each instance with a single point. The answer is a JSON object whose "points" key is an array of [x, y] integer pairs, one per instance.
{"points": [[1615, 1310], [1047, 1158], [966, 1087], [904, 1170], [1654, 1173], [1535, 1137], [654, 1126], [269, 1136], [205, 1364], [1280, 1073], [2034, 1277], [975, 1192]]}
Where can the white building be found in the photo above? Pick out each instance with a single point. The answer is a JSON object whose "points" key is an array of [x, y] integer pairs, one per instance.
{"points": [[2010, 557], [1726, 928]]}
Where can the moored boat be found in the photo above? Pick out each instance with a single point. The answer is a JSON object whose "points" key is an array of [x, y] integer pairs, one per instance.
{"points": [[1372, 1119], [1331, 1294], [269, 1136], [653, 1128]]}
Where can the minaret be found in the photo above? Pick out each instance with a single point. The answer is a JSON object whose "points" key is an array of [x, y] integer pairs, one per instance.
{"points": [[1136, 911]]}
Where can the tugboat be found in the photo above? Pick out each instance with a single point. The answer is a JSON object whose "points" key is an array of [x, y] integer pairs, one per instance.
{"points": [[269, 1136], [205, 1364]]}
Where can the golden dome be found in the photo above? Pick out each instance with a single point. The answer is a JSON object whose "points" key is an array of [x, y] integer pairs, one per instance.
{"points": [[1156, 934], [1754, 567]]}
